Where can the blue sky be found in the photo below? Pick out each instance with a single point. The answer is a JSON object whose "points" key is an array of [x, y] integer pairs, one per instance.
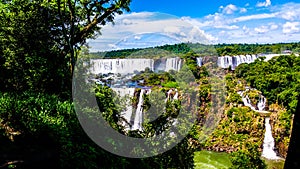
{"points": [[193, 8], [158, 22]]}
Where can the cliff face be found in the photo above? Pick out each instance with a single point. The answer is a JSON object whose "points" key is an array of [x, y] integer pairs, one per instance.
{"points": [[281, 122], [242, 124], [239, 126]]}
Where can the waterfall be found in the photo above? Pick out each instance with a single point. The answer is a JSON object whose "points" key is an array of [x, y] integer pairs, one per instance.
{"points": [[262, 103], [130, 65], [122, 66], [268, 145], [199, 61], [168, 95], [176, 95], [233, 61], [173, 64], [247, 102], [138, 120]]}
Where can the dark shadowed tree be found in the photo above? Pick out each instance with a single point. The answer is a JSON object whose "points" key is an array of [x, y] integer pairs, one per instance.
{"points": [[39, 40], [292, 159]]}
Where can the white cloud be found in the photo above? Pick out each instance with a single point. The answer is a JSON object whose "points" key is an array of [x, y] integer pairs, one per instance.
{"points": [[112, 46], [290, 15], [229, 24], [136, 37], [172, 29], [243, 10], [127, 22], [290, 11], [230, 27], [261, 29], [273, 26], [246, 29], [229, 9], [137, 24], [216, 20], [264, 4], [195, 34], [254, 17], [291, 27]]}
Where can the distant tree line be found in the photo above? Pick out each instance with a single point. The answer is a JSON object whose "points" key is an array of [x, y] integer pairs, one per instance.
{"points": [[205, 50]]}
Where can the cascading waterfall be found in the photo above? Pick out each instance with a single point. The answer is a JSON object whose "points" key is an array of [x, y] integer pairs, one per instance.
{"points": [[138, 120], [269, 143], [199, 61], [173, 64], [247, 102], [262, 103], [168, 95], [175, 97], [126, 66], [231, 61], [122, 66]]}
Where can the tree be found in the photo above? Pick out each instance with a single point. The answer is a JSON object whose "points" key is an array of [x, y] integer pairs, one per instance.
{"points": [[292, 159], [247, 158], [82, 19], [40, 40]]}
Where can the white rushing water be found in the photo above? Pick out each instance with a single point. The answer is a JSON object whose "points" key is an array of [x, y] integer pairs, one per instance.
{"points": [[135, 120], [234, 61], [261, 103], [269, 143], [247, 102], [122, 66], [173, 64], [231, 61], [138, 120], [130, 65], [175, 97], [199, 61]]}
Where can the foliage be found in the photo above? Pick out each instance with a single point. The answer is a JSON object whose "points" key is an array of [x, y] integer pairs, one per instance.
{"points": [[238, 127], [247, 158], [29, 54], [40, 40], [206, 50], [151, 78], [278, 79]]}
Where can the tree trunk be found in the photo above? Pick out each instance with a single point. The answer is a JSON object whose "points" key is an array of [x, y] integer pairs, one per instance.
{"points": [[293, 156]]}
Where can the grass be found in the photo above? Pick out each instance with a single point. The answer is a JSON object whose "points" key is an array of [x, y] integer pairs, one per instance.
{"points": [[211, 160]]}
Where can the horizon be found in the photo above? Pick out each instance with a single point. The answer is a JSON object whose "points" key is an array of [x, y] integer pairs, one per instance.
{"points": [[226, 44]]}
